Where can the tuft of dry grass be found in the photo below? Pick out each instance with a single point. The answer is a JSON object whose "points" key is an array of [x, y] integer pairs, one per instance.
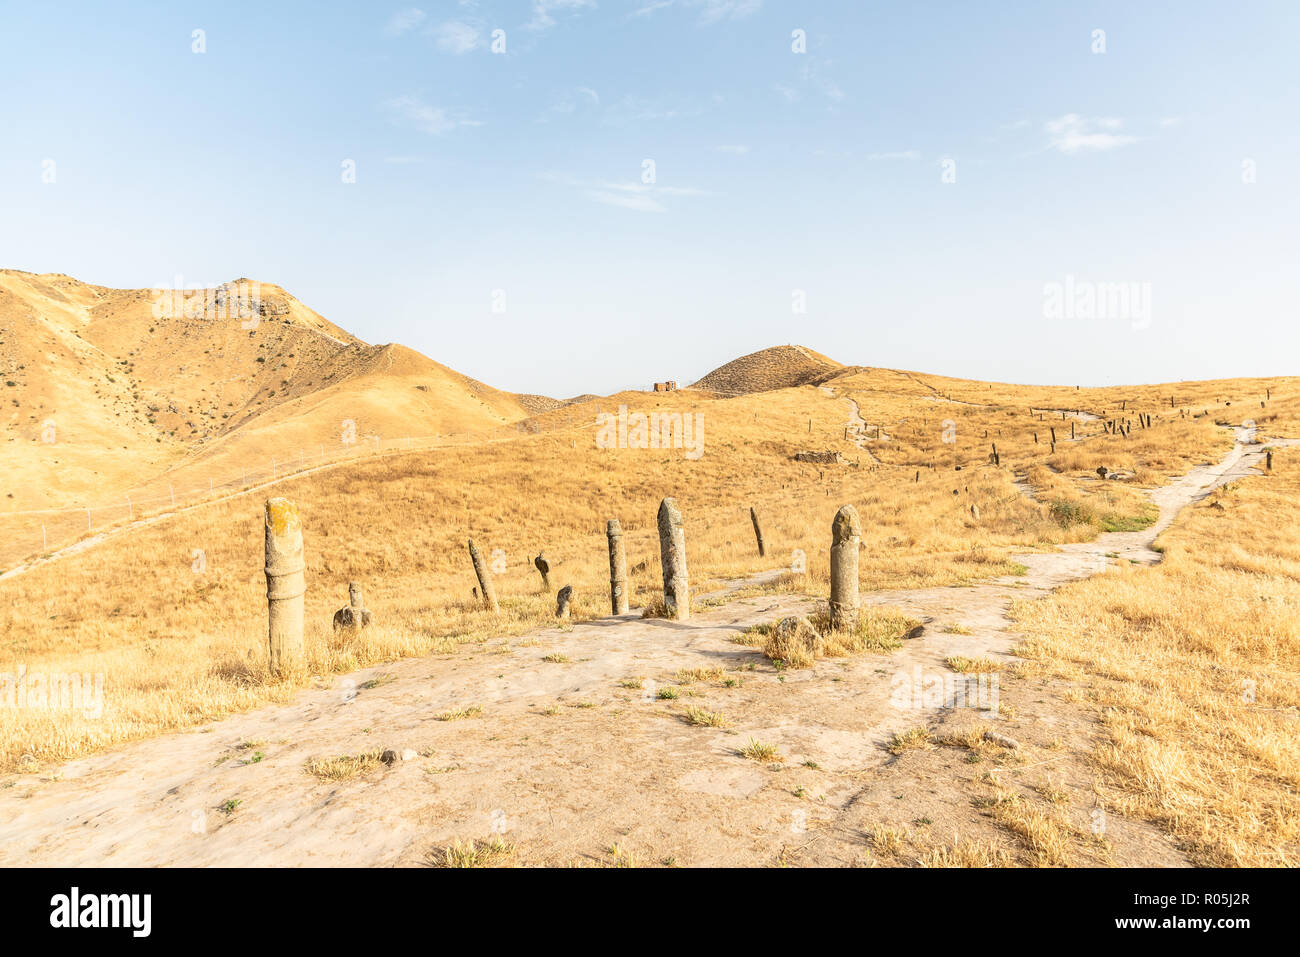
{"points": [[490, 853], [702, 717], [758, 751], [889, 840], [344, 766], [914, 739], [459, 714], [879, 630], [686, 676], [966, 854], [964, 665]]}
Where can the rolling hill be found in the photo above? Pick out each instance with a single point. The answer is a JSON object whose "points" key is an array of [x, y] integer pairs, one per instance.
{"points": [[779, 367], [106, 389]]}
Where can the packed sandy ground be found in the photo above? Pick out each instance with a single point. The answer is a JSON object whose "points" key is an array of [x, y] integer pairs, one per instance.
{"points": [[567, 761]]}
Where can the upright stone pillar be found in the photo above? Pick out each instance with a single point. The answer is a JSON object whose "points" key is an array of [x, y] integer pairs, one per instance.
{"points": [[672, 555], [617, 568], [286, 585], [846, 538], [562, 602]]}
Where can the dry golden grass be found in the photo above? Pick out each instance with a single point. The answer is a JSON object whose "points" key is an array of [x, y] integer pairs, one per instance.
{"points": [[490, 853], [704, 718], [964, 665], [1194, 666], [966, 854], [458, 714], [712, 675], [914, 739], [344, 766], [179, 647], [879, 630], [760, 751]]}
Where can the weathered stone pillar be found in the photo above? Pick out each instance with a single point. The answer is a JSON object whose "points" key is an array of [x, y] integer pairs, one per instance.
{"points": [[355, 615], [285, 585], [562, 602], [484, 577], [617, 568], [846, 537], [672, 555], [758, 532]]}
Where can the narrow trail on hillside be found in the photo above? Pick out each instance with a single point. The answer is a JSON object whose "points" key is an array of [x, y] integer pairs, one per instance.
{"points": [[857, 431], [567, 753], [98, 538]]}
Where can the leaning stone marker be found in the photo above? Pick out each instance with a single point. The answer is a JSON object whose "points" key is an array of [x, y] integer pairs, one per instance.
{"points": [[617, 568], [285, 584], [672, 555], [484, 577], [846, 537], [758, 532], [562, 602]]}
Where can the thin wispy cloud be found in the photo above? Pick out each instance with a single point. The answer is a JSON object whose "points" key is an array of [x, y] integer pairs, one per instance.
{"points": [[895, 155], [631, 194], [650, 8], [635, 109], [543, 10], [712, 11], [1073, 133], [413, 112], [637, 201], [815, 75], [403, 21], [652, 188], [569, 102], [456, 37], [787, 93], [813, 79]]}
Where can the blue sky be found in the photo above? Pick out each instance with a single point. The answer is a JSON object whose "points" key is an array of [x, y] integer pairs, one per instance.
{"points": [[778, 175]]}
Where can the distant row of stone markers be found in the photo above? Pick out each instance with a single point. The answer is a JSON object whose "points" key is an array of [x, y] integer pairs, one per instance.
{"points": [[286, 586]]}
